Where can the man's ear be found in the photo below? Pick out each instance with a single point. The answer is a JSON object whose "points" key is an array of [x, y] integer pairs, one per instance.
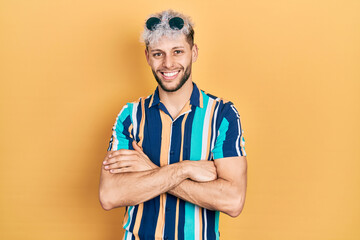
{"points": [[194, 52], [147, 55]]}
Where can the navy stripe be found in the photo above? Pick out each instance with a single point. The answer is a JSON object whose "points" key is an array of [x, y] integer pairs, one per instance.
{"points": [[127, 123], [149, 218], [152, 135], [111, 143], [138, 120], [170, 215], [133, 218], [210, 225], [232, 134], [187, 133], [181, 223]]}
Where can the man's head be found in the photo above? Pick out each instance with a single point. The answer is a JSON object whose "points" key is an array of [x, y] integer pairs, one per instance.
{"points": [[170, 49], [167, 23]]}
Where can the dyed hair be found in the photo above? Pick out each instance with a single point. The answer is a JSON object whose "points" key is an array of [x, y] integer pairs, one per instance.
{"points": [[163, 28]]}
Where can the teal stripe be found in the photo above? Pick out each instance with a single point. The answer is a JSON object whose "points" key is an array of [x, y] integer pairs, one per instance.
{"points": [[218, 148], [130, 110], [129, 218], [189, 230], [197, 130], [123, 141], [195, 155], [217, 225]]}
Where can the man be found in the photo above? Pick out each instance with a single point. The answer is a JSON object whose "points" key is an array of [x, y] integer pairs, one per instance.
{"points": [[177, 157]]}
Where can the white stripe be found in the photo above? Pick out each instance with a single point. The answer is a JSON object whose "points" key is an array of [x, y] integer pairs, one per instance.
{"points": [[205, 224], [130, 217], [236, 112], [129, 236], [134, 119], [197, 224], [238, 139], [239, 131], [214, 127], [206, 129]]}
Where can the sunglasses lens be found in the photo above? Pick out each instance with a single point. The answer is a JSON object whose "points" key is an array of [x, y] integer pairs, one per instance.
{"points": [[176, 23], [152, 22]]}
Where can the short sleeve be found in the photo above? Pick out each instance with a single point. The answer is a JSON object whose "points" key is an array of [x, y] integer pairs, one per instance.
{"points": [[230, 141], [121, 137]]}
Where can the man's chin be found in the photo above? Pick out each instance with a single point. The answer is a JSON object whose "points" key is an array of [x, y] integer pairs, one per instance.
{"points": [[169, 87]]}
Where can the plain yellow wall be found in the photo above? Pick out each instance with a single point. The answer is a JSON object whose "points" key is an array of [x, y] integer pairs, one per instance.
{"points": [[292, 68]]}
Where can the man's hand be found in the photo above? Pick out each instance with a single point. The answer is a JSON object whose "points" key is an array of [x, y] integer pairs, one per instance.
{"points": [[125, 160], [136, 161], [201, 171]]}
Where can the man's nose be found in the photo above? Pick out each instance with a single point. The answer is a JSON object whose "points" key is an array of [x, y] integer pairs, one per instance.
{"points": [[168, 61]]}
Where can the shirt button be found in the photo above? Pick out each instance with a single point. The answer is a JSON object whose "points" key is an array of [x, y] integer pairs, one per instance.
{"points": [[167, 209], [166, 238], [172, 152]]}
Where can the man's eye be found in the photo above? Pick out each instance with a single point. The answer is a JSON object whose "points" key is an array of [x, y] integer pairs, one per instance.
{"points": [[157, 54], [178, 51]]}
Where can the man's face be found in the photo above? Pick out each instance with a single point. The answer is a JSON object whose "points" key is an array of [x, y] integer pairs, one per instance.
{"points": [[170, 61]]}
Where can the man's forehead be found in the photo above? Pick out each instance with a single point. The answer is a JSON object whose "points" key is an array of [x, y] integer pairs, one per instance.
{"points": [[166, 42]]}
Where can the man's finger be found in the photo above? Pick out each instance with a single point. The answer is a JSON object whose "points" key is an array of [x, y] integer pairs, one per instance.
{"points": [[120, 164], [137, 147], [121, 170], [121, 157]]}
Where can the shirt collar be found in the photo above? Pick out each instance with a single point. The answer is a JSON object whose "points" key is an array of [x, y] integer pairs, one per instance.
{"points": [[195, 98]]}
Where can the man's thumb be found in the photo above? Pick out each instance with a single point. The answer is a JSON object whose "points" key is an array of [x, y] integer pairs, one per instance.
{"points": [[136, 146]]}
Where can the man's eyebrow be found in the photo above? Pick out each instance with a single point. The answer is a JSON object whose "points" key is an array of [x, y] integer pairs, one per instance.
{"points": [[178, 47], [156, 50]]}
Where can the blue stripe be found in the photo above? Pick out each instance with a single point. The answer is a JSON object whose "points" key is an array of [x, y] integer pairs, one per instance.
{"points": [[152, 133], [181, 223], [149, 218], [210, 216], [138, 120], [170, 216]]}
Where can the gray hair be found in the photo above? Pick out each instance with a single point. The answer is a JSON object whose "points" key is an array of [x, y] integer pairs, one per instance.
{"points": [[163, 28]]}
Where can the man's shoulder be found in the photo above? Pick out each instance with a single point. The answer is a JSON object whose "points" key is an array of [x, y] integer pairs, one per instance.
{"points": [[129, 107], [223, 103], [223, 107]]}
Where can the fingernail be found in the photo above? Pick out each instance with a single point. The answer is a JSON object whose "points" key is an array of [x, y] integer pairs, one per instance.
{"points": [[111, 170], [104, 162], [109, 155], [106, 167]]}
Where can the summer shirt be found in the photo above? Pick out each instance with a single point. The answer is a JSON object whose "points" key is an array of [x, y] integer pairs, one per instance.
{"points": [[207, 128]]}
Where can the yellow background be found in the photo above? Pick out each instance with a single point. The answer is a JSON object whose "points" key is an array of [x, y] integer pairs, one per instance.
{"points": [[292, 68]]}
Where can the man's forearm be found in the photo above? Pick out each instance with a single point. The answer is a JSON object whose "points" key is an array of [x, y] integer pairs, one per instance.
{"points": [[220, 195], [132, 188]]}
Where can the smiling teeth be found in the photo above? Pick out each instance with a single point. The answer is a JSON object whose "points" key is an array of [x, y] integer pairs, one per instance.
{"points": [[170, 74]]}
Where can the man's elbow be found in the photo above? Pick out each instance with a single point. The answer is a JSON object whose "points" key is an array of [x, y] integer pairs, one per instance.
{"points": [[235, 206], [105, 201]]}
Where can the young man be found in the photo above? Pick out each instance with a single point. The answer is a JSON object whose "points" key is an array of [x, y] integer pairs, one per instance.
{"points": [[177, 157]]}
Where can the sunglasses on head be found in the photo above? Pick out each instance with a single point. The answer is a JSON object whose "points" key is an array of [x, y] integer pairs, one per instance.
{"points": [[175, 23]]}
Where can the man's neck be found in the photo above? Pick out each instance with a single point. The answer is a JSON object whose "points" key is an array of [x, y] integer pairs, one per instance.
{"points": [[175, 101]]}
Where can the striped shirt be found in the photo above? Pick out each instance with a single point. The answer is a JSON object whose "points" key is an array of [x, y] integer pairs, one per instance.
{"points": [[207, 128]]}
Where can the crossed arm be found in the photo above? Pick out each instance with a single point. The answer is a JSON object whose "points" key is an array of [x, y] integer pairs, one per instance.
{"points": [[128, 177]]}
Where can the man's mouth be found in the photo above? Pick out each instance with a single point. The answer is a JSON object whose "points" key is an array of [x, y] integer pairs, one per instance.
{"points": [[170, 75]]}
